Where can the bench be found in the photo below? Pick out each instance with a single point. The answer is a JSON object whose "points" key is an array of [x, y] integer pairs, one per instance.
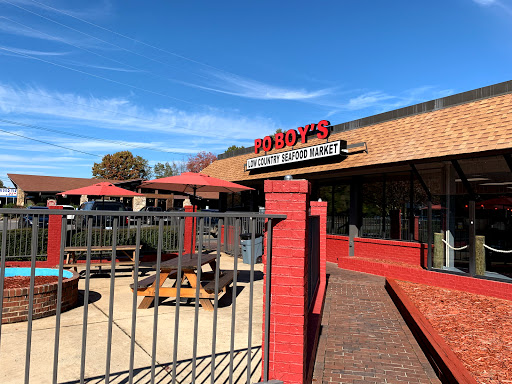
{"points": [[225, 278], [126, 250], [147, 282]]}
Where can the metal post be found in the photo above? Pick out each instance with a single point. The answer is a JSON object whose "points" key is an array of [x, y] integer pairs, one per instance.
{"points": [[355, 216], [472, 234], [430, 235], [383, 223], [411, 205]]}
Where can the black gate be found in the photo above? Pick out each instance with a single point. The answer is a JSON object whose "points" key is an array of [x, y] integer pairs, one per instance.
{"points": [[313, 257]]}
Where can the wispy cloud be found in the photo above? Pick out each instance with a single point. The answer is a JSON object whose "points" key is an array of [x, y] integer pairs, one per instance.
{"points": [[121, 114], [379, 101], [116, 69], [10, 51], [235, 85], [497, 3], [102, 9], [7, 26], [366, 100], [486, 2]]}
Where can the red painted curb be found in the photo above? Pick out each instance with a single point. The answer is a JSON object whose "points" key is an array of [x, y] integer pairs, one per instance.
{"points": [[447, 365]]}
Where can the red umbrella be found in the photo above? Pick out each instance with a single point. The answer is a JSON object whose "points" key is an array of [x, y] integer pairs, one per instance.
{"points": [[190, 182], [101, 189]]}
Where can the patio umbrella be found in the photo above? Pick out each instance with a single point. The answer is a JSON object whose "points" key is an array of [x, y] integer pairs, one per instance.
{"points": [[190, 182], [101, 189]]}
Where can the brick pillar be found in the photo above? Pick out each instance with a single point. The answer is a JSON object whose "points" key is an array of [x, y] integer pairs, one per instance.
{"points": [[54, 233], [190, 232], [288, 308]]}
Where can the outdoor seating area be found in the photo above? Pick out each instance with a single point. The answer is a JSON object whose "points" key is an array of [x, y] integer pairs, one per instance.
{"points": [[97, 335]]}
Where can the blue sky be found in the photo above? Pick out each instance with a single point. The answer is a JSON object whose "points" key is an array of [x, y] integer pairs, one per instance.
{"points": [[167, 79]]}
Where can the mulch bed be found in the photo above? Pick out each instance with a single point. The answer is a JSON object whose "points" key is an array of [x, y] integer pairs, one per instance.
{"points": [[477, 328], [389, 262], [24, 281]]}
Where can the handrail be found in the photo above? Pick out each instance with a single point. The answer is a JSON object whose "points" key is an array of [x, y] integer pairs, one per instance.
{"points": [[22, 211]]}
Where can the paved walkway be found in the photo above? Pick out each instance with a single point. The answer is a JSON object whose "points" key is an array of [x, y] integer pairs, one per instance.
{"points": [[364, 338]]}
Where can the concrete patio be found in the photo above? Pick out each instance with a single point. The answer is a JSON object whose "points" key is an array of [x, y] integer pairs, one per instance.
{"points": [[12, 350]]}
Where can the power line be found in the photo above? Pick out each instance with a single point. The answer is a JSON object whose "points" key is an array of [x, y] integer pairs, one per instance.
{"points": [[132, 39], [73, 45], [45, 142], [97, 38], [96, 76], [119, 142], [155, 75]]}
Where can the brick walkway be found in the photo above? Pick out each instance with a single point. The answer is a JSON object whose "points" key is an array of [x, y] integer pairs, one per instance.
{"points": [[364, 338]]}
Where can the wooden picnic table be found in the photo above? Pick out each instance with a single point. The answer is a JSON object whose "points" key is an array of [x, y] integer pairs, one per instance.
{"points": [[72, 259], [189, 265]]}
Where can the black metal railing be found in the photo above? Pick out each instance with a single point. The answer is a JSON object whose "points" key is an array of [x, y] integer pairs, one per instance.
{"points": [[313, 257], [134, 344]]}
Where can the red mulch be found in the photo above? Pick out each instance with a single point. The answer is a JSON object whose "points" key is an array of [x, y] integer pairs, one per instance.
{"points": [[477, 328], [24, 281], [389, 262]]}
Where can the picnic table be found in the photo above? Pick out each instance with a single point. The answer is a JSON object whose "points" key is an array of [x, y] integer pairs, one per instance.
{"points": [[189, 266], [72, 255]]}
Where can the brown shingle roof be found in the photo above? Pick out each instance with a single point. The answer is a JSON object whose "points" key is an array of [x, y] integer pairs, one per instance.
{"points": [[478, 126], [37, 183]]}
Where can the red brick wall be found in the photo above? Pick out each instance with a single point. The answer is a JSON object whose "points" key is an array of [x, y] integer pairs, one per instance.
{"points": [[337, 246], [437, 279], [15, 301], [401, 251]]}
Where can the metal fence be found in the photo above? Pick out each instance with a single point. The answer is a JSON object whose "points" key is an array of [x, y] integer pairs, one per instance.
{"points": [[107, 337], [19, 234], [337, 225]]}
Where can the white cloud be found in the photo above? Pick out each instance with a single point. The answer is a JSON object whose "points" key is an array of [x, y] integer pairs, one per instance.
{"points": [[235, 85], [379, 101], [489, 3], [367, 100], [122, 114], [485, 2], [14, 51]]}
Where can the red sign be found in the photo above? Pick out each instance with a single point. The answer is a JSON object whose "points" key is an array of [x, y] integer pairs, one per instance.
{"points": [[289, 139], [51, 203]]}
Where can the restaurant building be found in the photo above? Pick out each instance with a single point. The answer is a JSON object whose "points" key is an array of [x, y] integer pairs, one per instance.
{"points": [[426, 186]]}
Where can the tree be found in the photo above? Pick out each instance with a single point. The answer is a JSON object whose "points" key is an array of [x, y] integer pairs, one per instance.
{"points": [[121, 166], [165, 170], [234, 148], [2, 184], [200, 161]]}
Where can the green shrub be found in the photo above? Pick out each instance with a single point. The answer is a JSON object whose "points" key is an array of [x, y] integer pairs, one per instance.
{"points": [[125, 236], [19, 243]]}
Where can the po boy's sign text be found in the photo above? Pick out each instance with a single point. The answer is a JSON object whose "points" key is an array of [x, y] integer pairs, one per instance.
{"points": [[290, 138], [334, 148]]}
